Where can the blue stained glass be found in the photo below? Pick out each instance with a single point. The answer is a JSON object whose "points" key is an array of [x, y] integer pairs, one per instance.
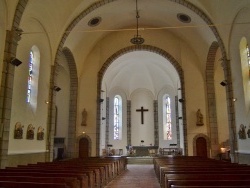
{"points": [[117, 117], [168, 119], [31, 59]]}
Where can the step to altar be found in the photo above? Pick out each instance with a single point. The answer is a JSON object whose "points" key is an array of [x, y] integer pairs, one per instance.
{"points": [[140, 160]]}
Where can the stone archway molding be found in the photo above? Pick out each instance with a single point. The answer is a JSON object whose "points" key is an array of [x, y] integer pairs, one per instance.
{"points": [[73, 102], [129, 49]]}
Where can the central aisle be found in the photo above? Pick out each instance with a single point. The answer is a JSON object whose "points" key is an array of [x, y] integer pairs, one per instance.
{"points": [[137, 175]]}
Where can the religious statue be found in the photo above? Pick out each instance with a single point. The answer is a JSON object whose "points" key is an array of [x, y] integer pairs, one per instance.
{"points": [[40, 133], [248, 132], [30, 132], [18, 132], [242, 132], [84, 117], [199, 118]]}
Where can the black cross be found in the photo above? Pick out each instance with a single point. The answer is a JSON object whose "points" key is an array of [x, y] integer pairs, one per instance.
{"points": [[142, 110]]}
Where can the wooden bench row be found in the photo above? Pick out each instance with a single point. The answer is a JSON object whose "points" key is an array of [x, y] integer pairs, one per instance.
{"points": [[93, 172], [183, 171]]}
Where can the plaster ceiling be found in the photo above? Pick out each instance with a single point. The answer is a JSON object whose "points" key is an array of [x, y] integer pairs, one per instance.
{"points": [[119, 15], [141, 70]]}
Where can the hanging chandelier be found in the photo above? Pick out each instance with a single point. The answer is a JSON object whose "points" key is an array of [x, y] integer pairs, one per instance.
{"points": [[137, 39]]}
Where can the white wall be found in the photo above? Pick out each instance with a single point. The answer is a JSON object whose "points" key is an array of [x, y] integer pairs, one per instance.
{"points": [[242, 105], [62, 100], [142, 98], [24, 112]]}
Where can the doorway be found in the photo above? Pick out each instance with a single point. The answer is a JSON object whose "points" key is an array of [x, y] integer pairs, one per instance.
{"points": [[83, 148], [201, 147]]}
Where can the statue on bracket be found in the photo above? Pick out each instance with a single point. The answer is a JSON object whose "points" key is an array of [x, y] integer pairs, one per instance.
{"points": [[84, 117], [199, 118], [40, 133], [242, 132], [248, 132], [18, 132], [30, 132]]}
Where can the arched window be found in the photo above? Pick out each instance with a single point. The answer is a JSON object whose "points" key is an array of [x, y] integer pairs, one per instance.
{"points": [[117, 117], [248, 55], [245, 70], [33, 77], [167, 124], [31, 60]]}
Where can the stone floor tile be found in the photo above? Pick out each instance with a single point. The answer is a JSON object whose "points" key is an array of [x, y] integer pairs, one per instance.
{"points": [[136, 176]]}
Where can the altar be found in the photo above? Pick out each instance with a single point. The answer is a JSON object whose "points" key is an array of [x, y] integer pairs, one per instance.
{"points": [[144, 150]]}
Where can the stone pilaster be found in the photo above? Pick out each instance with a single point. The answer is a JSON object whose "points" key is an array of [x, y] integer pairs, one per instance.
{"points": [[107, 124], [177, 122], [12, 38], [129, 122], [156, 124]]}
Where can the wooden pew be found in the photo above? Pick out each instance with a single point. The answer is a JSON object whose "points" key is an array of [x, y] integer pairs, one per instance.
{"points": [[13, 184], [69, 181], [83, 179], [101, 170], [208, 182], [92, 172], [193, 171], [186, 186], [214, 177], [89, 173], [105, 170], [204, 169]]}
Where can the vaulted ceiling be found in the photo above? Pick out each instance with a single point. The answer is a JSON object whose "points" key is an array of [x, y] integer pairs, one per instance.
{"points": [[70, 19]]}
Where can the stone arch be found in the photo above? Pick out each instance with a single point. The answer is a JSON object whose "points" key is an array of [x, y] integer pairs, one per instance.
{"points": [[123, 51], [73, 100], [77, 143], [211, 99], [197, 11], [207, 140]]}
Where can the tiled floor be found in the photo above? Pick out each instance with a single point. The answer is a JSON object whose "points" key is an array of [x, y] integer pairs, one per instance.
{"points": [[136, 176]]}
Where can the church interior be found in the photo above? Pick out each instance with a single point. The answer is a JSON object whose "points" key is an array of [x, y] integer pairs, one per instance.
{"points": [[133, 78]]}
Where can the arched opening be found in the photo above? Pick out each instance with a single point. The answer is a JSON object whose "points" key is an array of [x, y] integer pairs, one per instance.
{"points": [[141, 90], [83, 146], [201, 147]]}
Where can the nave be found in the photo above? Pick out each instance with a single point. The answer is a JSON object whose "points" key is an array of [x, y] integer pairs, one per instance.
{"points": [[136, 175]]}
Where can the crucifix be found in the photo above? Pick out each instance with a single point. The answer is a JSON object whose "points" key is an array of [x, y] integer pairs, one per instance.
{"points": [[142, 110]]}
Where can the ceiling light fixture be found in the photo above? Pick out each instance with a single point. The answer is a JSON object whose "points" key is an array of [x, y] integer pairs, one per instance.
{"points": [[137, 38]]}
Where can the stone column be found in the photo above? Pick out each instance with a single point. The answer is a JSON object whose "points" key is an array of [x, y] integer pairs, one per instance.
{"points": [[12, 38]]}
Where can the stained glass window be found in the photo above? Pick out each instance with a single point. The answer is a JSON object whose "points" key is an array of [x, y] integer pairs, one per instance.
{"points": [[117, 117], [31, 60], [248, 55], [167, 119]]}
